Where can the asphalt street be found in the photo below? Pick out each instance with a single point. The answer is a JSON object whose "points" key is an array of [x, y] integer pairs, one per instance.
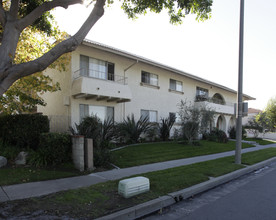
{"points": [[251, 197]]}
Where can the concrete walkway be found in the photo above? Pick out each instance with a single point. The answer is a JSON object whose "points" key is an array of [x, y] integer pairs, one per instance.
{"points": [[35, 189]]}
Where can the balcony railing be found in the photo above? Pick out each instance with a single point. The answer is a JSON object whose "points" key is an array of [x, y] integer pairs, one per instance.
{"points": [[100, 75], [199, 98]]}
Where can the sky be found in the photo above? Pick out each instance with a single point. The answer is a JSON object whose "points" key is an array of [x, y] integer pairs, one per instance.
{"points": [[208, 49]]}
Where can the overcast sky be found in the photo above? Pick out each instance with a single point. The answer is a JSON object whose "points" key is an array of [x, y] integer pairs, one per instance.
{"points": [[207, 49]]}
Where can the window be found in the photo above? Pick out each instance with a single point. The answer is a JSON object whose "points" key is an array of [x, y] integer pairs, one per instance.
{"points": [[201, 94], [218, 99], [102, 112], [151, 115], [96, 68], [176, 85], [176, 115], [149, 78]]}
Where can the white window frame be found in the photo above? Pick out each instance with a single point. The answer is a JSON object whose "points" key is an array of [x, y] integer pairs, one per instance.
{"points": [[151, 78], [87, 110], [177, 117], [151, 114], [95, 68], [201, 92], [176, 85]]}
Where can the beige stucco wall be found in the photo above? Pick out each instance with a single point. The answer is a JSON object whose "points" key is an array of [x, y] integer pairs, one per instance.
{"points": [[58, 103], [143, 97]]}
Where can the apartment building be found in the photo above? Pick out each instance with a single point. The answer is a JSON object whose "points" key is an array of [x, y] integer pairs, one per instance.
{"points": [[114, 84]]}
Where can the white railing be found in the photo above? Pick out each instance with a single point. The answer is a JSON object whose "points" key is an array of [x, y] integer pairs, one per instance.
{"points": [[99, 75], [213, 100]]}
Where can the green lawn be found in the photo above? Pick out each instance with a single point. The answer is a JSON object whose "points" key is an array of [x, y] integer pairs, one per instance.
{"points": [[157, 152], [258, 156], [102, 199], [15, 175], [260, 141]]}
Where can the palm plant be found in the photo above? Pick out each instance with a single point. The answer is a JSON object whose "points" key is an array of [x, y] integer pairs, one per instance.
{"points": [[130, 130], [165, 127], [107, 129], [101, 133]]}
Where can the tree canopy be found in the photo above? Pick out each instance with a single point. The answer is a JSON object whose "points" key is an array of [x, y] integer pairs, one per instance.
{"points": [[271, 111], [17, 15], [26, 93], [267, 118]]}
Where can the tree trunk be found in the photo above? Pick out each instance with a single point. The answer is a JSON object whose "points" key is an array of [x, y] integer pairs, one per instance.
{"points": [[9, 72]]}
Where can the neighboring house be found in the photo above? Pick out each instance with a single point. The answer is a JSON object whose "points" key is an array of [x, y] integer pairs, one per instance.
{"points": [[252, 113], [113, 83]]}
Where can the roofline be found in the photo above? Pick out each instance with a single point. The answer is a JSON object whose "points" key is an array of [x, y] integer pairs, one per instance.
{"points": [[123, 53]]}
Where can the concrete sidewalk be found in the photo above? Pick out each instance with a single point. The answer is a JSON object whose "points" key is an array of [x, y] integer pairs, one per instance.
{"points": [[35, 189]]}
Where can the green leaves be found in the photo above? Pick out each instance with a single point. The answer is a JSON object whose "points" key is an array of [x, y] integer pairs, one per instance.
{"points": [[177, 9], [267, 118], [271, 111], [26, 93]]}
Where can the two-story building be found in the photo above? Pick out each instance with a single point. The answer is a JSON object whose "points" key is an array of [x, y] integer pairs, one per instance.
{"points": [[113, 83]]}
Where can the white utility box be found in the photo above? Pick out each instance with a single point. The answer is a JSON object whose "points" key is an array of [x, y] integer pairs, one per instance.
{"points": [[133, 186]]}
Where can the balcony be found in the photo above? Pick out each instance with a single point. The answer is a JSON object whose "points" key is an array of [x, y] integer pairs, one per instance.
{"points": [[217, 105], [100, 86]]}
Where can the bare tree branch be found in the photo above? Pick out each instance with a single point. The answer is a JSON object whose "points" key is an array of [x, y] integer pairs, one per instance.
{"points": [[95, 15], [46, 6], [14, 8], [2, 14]]}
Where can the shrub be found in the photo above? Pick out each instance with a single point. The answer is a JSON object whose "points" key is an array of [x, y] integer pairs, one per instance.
{"points": [[177, 135], [93, 127], [23, 131], [8, 151], [130, 131], [107, 132], [102, 157], [232, 132], [190, 130], [90, 128], [165, 127], [101, 133], [222, 137], [54, 149], [152, 134], [217, 136]]}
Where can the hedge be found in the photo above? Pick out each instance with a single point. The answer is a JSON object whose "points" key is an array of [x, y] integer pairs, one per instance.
{"points": [[23, 130], [54, 149]]}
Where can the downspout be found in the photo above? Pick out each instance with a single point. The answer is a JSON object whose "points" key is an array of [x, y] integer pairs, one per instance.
{"points": [[124, 104]]}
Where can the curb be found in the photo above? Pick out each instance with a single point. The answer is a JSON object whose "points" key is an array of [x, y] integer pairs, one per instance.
{"points": [[151, 206]]}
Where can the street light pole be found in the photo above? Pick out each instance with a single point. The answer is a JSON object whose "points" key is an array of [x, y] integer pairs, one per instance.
{"points": [[240, 82]]}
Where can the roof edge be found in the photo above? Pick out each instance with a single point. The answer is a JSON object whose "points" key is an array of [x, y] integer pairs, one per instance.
{"points": [[117, 51]]}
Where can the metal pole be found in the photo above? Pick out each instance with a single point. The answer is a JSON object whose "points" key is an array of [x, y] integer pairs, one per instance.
{"points": [[239, 111]]}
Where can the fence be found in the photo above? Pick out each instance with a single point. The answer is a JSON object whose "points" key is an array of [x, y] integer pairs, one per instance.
{"points": [[59, 123]]}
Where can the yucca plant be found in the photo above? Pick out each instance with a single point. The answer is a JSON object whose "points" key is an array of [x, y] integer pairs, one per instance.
{"points": [[107, 131], [131, 131], [165, 127], [101, 133]]}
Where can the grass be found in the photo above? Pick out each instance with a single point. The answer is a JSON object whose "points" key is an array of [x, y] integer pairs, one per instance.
{"points": [[15, 175], [260, 141], [157, 152], [102, 199], [258, 156]]}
